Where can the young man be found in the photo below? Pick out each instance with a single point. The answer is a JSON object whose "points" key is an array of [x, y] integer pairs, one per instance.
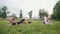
{"points": [[12, 21]]}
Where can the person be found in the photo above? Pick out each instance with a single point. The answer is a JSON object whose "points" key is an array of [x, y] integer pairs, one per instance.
{"points": [[45, 20], [49, 20], [12, 21], [22, 21]]}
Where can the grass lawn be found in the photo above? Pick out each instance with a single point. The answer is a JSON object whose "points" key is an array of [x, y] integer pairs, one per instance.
{"points": [[36, 27]]}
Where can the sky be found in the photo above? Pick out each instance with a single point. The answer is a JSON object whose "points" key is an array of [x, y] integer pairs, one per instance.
{"points": [[14, 6]]}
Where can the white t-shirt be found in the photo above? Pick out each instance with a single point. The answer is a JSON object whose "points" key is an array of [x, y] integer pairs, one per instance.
{"points": [[45, 20]]}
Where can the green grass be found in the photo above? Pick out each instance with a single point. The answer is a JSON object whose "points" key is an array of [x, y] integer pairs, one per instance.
{"points": [[35, 27]]}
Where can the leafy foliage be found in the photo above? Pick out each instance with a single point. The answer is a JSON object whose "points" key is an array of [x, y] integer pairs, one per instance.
{"points": [[3, 12], [56, 9], [30, 14], [20, 13], [14, 16], [42, 13]]}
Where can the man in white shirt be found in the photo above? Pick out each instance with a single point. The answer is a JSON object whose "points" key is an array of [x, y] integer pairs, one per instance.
{"points": [[46, 20]]}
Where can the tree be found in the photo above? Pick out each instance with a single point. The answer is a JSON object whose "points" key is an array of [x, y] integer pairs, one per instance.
{"points": [[14, 15], [3, 12], [42, 13], [20, 13], [30, 14], [4, 9], [0, 13], [56, 13]]}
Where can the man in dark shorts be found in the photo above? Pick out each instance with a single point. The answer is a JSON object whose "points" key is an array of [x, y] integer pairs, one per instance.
{"points": [[13, 22], [21, 21]]}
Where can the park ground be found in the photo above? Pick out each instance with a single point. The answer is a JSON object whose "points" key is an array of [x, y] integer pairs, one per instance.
{"points": [[36, 27]]}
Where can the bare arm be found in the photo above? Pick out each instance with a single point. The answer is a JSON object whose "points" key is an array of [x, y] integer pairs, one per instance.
{"points": [[16, 24]]}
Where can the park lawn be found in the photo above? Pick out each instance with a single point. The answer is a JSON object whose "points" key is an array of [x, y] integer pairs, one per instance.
{"points": [[36, 27]]}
